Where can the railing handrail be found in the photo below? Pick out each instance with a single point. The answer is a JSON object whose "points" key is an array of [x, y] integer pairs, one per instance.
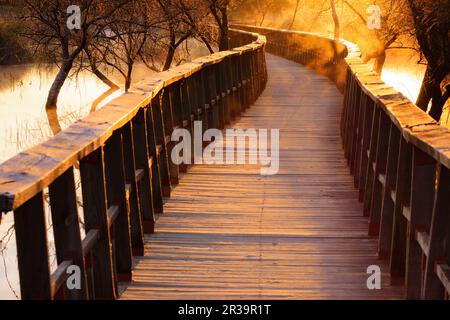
{"points": [[399, 158], [417, 127], [30, 171], [122, 155]]}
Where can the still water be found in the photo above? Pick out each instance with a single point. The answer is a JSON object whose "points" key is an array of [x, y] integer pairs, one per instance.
{"points": [[23, 123]]}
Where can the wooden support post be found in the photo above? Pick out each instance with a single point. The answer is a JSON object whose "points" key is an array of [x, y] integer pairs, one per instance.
{"points": [[160, 134], [116, 191], [168, 107], [364, 157], [144, 163], [371, 158], [156, 167], [401, 198], [137, 228], [439, 242], [95, 210], [362, 106], [354, 137], [421, 208], [66, 229], [388, 185], [32, 252]]}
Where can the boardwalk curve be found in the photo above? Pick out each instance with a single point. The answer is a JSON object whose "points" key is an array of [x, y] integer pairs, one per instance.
{"points": [[230, 233]]}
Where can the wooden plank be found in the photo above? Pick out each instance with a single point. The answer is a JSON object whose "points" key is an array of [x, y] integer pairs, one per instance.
{"points": [[401, 198], [229, 233], [96, 217], [66, 228], [59, 277], [423, 183], [119, 220], [143, 174], [439, 243], [137, 228], [32, 251], [443, 273], [387, 205]]}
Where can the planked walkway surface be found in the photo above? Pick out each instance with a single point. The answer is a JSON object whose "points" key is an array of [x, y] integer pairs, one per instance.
{"points": [[230, 233]]}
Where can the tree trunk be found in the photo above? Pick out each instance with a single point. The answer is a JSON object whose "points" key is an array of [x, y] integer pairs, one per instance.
{"points": [[337, 29], [169, 57], [224, 43], [294, 17], [438, 103], [128, 77], [51, 105], [431, 91], [379, 62]]}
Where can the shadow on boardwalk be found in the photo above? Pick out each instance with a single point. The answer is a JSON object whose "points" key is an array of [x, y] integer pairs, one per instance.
{"points": [[229, 233]]}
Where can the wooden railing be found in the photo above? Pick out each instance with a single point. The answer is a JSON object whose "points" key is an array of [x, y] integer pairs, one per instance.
{"points": [[122, 155], [399, 157]]}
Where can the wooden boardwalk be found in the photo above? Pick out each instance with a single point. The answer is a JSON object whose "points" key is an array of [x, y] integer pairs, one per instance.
{"points": [[230, 233]]}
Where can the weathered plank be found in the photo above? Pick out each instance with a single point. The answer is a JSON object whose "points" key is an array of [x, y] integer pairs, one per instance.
{"points": [[230, 233]]}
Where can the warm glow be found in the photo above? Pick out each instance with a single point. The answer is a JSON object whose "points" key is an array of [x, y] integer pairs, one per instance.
{"points": [[404, 81]]}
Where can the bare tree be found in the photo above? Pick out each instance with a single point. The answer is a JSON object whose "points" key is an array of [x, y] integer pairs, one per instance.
{"points": [[294, 15], [432, 27], [220, 10], [46, 26], [263, 7]]}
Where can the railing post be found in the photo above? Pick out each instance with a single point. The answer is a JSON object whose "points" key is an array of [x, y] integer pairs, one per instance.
{"points": [[117, 196], [388, 185], [370, 174], [401, 197], [96, 216], [154, 151], [32, 252], [143, 171], [137, 228], [379, 168], [439, 241], [170, 106], [160, 134], [423, 182], [66, 228]]}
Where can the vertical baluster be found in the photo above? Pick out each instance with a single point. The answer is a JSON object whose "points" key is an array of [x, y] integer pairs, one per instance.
{"points": [[379, 168], [235, 97], [169, 105], [156, 167], [362, 106], [228, 90], [32, 251], [203, 101], [218, 73], [137, 229], [160, 134], [401, 197], [355, 129], [349, 122], [368, 116], [96, 217], [345, 107], [116, 194], [372, 156], [213, 97], [66, 228], [143, 171], [439, 242], [387, 207], [423, 181]]}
